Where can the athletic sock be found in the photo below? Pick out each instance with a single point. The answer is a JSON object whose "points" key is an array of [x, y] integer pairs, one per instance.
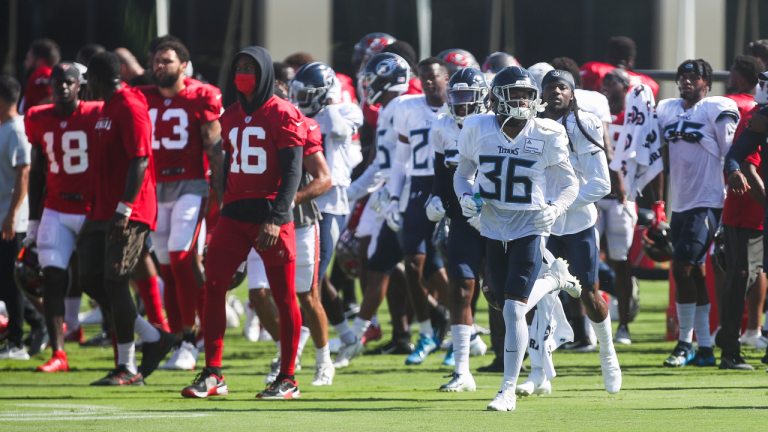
{"points": [[146, 331], [425, 327], [603, 332], [360, 326], [685, 315], [375, 321], [71, 309], [216, 371], [461, 335], [345, 333], [186, 284], [303, 338], [149, 290], [189, 336], [515, 340], [701, 326], [323, 355], [541, 287], [126, 355]]}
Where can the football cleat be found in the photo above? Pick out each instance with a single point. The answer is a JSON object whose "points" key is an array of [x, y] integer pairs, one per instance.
{"points": [[172, 360], [755, 339], [152, 353], [92, 316], [233, 319], [583, 345], [704, 357], [681, 355], [459, 383], [529, 388], [477, 348], [395, 346], [13, 352], [183, 357], [237, 305], [622, 335], [101, 339], [609, 363], [734, 361], [426, 346], [77, 335], [120, 376], [450, 358], [347, 353], [481, 330], [252, 328], [496, 366], [37, 341], [372, 334], [206, 384], [285, 389], [334, 345], [274, 371], [324, 373], [505, 399], [264, 335], [57, 363], [565, 281]]}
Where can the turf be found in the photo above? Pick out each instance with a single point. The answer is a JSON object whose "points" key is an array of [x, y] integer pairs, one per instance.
{"points": [[381, 393]]}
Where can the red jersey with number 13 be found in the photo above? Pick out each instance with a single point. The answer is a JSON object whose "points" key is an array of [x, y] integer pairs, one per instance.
{"points": [[254, 141]]}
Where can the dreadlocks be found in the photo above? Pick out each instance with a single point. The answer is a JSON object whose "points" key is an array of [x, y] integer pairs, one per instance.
{"points": [[573, 107]]}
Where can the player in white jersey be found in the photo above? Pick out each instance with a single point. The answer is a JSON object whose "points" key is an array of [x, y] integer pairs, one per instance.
{"points": [[698, 130], [574, 235], [412, 122], [513, 156]]}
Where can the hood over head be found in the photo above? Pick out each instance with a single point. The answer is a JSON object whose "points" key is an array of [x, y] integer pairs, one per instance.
{"points": [[265, 87]]}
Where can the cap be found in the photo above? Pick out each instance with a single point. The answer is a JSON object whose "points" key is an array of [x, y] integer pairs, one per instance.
{"points": [[64, 70]]}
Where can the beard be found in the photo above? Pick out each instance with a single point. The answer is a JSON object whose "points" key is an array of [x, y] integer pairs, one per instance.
{"points": [[167, 79]]}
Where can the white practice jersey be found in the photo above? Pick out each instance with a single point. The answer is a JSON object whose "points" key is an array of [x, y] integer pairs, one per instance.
{"points": [[698, 140], [444, 136], [412, 119], [595, 103], [591, 167], [386, 137], [512, 175]]}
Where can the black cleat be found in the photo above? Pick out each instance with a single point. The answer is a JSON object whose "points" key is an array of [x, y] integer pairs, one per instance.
{"points": [[100, 340], [496, 366], [733, 360], [395, 346], [37, 341], [206, 384], [120, 376], [284, 389], [154, 352]]}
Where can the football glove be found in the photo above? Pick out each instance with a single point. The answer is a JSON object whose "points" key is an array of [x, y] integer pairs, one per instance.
{"points": [[31, 237], [470, 206], [393, 215], [659, 214], [546, 218], [435, 209], [379, 199], [474, 222]]}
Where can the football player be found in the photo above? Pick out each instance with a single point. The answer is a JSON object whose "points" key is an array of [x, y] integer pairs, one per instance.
{"points": [[186, 135], [698, 131], [264, 136], [622, 53], [43, 54], [457, 59], [514, 156]]}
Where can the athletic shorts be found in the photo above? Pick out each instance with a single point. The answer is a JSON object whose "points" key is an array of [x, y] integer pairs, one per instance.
{"points": [[466, 250], [616, 222], [387, 251], [513, 266], [56, 237], [180, 224], [307, 250], [97, 255], [378, 222], [692, 233], [417, 228], [581, 250]]}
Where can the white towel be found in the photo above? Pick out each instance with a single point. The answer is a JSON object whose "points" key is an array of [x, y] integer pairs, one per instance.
{"points": [[549, 330], [637, 153]]}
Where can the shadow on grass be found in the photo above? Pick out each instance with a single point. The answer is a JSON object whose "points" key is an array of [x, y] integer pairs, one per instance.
{"points": [[704, 408]]}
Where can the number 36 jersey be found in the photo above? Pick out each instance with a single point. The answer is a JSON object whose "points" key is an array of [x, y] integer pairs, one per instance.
{"points": [[412, 119], [254, 141]]}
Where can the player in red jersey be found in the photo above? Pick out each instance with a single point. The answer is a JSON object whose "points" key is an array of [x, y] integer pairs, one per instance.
{"points": [[61, 162], [185, 128], [741, 84], [123, 211], [264, 136], [621, 53], [42, 55]]}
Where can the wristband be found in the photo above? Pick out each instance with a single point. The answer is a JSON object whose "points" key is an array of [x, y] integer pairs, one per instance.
{"points": [[124, 209]]}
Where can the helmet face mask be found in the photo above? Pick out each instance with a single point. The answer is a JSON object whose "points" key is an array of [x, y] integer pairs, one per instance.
{"points": [[514, 94], [467, 94]]}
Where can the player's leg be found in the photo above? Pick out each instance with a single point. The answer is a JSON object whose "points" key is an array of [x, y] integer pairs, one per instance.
{"points": [[618, 225], [159, 239], [581, 340], [755, 303]]}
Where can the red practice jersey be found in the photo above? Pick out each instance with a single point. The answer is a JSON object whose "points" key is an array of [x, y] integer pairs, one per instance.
{"points": [[254, 141], [38, 87], [745, 102], [67, 144], [741, 210], [592, 74], [123, 132], [177, 145]]}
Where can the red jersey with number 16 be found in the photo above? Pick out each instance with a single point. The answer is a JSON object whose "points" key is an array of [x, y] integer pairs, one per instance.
{"points": [[254, 141], [67, 144]]}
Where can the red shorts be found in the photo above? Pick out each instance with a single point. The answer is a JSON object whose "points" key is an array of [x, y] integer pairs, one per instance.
{"points": [[240, 237]]}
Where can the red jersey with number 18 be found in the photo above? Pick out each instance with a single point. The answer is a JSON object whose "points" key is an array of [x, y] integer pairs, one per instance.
{"points": [[254, 141]]}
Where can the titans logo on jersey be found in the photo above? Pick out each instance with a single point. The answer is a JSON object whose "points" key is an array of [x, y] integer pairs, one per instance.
{"points": [[413, 119]]}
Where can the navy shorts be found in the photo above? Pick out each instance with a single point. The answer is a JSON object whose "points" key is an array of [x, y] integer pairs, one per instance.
{"points": [[417, 228], [692, 233], [331, 226], [466, 250], [388, 251], [513, 266], [582, 252]]}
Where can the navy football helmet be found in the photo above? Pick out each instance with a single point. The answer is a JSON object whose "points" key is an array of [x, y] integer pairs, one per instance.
{"points": [[467, 94], [308, 89], [384, 72], [513, 79], [372, 44], [458, 59], [498, 61]]}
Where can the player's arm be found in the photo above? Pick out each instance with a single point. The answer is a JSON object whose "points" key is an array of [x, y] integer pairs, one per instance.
{"points": [[345, 119], [598, 179], [756, 185], [617, 183], [211, 133], [19, 192], [137, 169], [747, 143], [399, 167], [290, 164], [368, 182], [317, 167]]}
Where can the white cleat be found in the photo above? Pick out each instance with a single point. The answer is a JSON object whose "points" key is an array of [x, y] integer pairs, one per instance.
{"points": [[347, 353], [92, 316], [183, 358], [505, 399], [324, 373], [529, 388], [252, 329], [755, 339], [237, 305], [171, 362], [477, 348], [334, 345], [264, 335], [459, 383], [233, 319], [609, 363], [565, 281]]}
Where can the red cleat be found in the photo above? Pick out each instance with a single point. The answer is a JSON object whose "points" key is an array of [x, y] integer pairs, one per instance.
{"points": [[75, 335], [372, 334], [57, 363]]}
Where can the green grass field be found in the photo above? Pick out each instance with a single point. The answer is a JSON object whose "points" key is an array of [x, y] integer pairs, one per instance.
{"points": [[381, 393]]}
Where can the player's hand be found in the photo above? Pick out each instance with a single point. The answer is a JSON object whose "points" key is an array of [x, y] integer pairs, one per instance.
{"points": [[474, 222], [546, 218], [117, 227], [659, 214], [8, 224], [268, 234], [758, 123], [621, 195], [738, 183], [31, 237], [470, 207], [393, 215], [379, 199], [435, 209]]}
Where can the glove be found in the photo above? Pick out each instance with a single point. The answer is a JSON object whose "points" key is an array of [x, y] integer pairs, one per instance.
{"points": [[546, 218], [470, 206], [393, 215], [659, 214], [31, 237], [474, 222], [435, 209], [379, 199]]}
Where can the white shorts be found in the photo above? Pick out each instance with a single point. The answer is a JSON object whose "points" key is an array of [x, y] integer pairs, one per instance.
{"points": [[179, 223], [307, 259], [56, 237], [617, 222]]}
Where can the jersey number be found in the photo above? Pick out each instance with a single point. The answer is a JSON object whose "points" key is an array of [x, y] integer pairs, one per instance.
{"points": [[384, 161], [247, 151], [424, 142], [494, 176], [74, 144], [179, 129]]}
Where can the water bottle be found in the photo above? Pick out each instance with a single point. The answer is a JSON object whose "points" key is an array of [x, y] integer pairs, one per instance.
{"points": [[478, 201]]}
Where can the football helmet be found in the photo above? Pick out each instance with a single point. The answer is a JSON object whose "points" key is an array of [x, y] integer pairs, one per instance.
{"points": [[467, 94], [27, 272], [384, 72], [348, 253], [511, 79], [371, 44], [490, 296], [458, 59], [657, 244], [440, 237], [498, 61], [308, 89]]}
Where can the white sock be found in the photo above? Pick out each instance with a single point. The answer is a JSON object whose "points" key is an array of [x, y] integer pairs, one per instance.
{"points": [[425, 327], [461, 336], [303, 338], [345, 333], [472, 329], [323, 355], [71, 309], [375, 321], [603, 332], [541, 287], [515, 340], [701, 326], [126, 355], [685, 314], [146, 331], [360, 326]]}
